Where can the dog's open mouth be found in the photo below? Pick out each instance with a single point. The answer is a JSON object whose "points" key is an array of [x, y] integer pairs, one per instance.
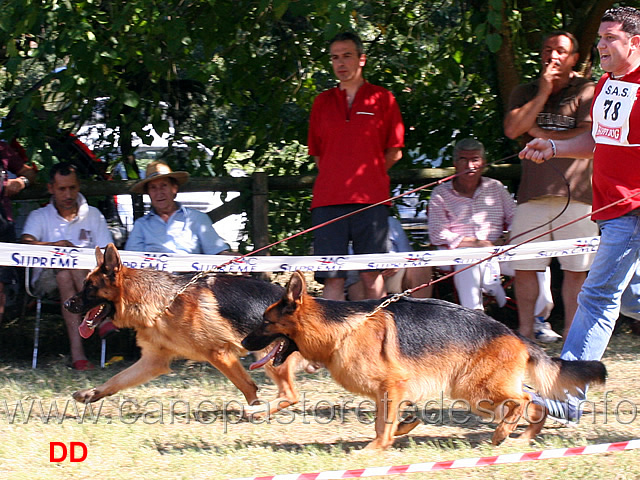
{"points": [[93, 318], [282, 348]]}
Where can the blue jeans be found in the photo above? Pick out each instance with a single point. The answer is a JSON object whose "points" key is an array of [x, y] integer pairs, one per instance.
{"points": [[612, 287]]}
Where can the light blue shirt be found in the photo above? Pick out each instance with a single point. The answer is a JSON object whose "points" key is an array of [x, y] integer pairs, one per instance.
{"points": [[187, 231]]}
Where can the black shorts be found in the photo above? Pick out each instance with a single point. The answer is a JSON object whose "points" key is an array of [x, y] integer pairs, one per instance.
{"points": [[367, 232], [8, 275]]}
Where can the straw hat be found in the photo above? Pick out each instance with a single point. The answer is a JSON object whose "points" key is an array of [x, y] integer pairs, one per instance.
{"points": [[156, 170]]}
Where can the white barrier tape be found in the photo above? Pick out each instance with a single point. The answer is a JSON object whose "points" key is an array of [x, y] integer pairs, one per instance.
{"points": [[44, 256], [454, 464]]}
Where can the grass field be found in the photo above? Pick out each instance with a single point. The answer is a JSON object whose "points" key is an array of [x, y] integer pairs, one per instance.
{"points": [[186, 425]]}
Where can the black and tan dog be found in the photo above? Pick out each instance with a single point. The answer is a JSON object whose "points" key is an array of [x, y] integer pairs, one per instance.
{"points": [[205, 323], [412, 350]]}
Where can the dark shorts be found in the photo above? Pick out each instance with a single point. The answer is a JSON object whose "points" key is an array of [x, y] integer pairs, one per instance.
{"points": [[367, 232], [8, 275]]}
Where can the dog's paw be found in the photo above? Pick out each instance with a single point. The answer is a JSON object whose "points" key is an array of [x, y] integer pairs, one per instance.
{"points": [[86, 396], [523, 439], [256, 412], [376, 445]]}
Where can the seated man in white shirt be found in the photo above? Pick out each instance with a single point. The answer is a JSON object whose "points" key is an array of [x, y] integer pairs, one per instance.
{"points": [[169, 227], [68, 221]]}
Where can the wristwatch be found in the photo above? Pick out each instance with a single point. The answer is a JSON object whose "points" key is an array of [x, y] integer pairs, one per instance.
{"points": [[26, 181]]}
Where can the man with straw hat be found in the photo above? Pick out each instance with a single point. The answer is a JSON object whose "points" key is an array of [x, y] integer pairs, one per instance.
{"points": [[168, 226]]}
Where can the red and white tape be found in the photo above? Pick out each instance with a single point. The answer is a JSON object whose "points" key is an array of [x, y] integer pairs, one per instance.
{"points": [[451, 464]]}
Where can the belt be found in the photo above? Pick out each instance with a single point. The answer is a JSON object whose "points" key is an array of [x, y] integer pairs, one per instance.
{"points": [[633, 213]]}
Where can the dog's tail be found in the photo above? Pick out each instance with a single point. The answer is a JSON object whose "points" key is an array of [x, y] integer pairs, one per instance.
{"points": [[553, 377]]}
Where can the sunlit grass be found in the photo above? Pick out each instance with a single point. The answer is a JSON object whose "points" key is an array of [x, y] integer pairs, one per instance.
{"points": [[176, 427]]}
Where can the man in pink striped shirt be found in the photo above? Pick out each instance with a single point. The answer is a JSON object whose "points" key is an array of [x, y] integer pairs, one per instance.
{"points": [[473, 211]]}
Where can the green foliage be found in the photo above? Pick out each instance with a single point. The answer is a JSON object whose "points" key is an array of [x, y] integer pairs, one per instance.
{"points": [[239, 76], [289, 210]]}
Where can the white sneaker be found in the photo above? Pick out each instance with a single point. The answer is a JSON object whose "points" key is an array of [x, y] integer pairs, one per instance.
{"points": [[542, 331]]}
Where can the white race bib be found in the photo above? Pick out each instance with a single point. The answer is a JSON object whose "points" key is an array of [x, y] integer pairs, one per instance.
{"points": [[611, 112]]}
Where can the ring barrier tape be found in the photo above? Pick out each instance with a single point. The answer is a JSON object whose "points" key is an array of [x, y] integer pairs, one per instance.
{"points": [[46, 256], [462, 463]]}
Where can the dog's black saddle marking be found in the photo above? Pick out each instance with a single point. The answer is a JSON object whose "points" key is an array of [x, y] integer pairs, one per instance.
{"points": [[426, 325]]}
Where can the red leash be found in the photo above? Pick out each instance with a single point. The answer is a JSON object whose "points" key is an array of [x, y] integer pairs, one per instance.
{"points": [[423, 187], [367, 207]]}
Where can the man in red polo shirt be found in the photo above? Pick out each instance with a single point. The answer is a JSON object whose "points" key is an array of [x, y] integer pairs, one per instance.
{"points": [[355, 135]]}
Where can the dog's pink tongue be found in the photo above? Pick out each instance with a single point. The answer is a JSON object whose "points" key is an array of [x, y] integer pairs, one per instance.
{"points": [[266, 358], [85, 330]]}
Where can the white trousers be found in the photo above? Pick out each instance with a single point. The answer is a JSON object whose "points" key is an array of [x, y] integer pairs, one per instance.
{"points": [[471, 283]]}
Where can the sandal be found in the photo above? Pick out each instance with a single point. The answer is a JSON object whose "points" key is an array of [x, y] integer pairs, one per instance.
{"points": [[83, 365]]}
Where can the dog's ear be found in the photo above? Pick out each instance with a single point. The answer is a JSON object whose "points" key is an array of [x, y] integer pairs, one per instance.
{"points": [[99, 256], [296, 288], [112, 262]]}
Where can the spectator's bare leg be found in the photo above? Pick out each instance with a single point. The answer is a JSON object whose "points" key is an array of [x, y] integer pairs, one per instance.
{"points": [[69, 283], [356, 291], [333, 289], [571, 286], [526, 294], [373, 283], [414, 277]]}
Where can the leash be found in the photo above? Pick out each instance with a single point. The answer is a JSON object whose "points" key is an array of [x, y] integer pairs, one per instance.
{"points": [[408, 292], [395, 297], [367, 207], [398, 296], [566, 205], [205, 273]]}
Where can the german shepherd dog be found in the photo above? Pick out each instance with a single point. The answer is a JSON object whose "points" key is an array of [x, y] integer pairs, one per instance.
{"points": [[412, 350], [205, 323]]}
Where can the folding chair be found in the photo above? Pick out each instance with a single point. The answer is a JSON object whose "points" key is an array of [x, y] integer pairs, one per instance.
{"points": [[42, 296]]}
